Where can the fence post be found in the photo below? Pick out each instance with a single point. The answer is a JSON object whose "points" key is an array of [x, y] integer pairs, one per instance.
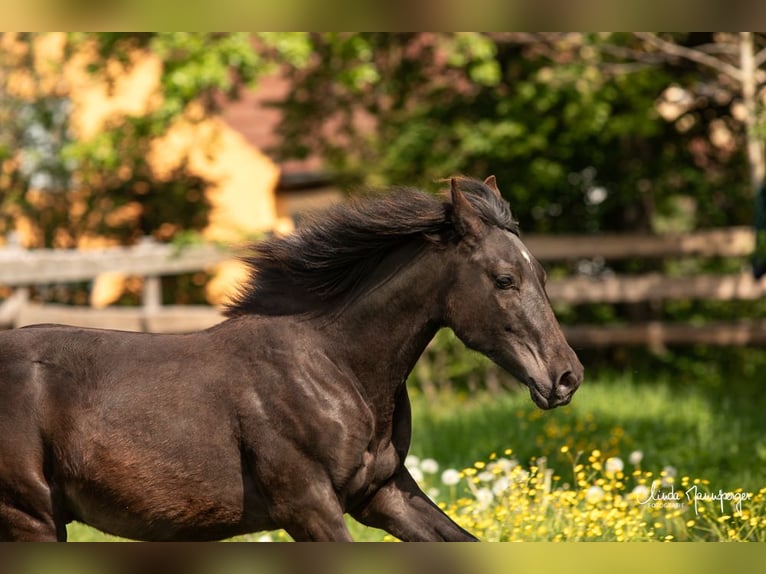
{"points": [[151, 292], [11, 308]]}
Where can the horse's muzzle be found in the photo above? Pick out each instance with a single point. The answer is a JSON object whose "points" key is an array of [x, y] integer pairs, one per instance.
{"points": [[560, 393], [565, 388]]}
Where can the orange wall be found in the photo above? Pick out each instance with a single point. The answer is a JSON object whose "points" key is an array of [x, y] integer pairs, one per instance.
{"points": [[242, 179]]}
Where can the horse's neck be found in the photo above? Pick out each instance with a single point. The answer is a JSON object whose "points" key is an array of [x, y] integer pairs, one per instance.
{"points": [[384, 332]]}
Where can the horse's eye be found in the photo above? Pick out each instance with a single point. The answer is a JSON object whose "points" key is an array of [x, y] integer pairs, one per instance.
{"points": [[504, 282]]}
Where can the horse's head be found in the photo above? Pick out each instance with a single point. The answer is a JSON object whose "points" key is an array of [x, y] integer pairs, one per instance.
{"points": [[497, 304]]}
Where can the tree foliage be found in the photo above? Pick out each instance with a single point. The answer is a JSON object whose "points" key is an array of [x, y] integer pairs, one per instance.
{"points": [[569, 123], [585, 132]]}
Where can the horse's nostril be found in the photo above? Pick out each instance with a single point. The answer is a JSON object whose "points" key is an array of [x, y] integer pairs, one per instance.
{"points": [[568, 382]]}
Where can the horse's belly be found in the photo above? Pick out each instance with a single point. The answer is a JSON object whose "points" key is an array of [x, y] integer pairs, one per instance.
{"points": [[140, 497]]}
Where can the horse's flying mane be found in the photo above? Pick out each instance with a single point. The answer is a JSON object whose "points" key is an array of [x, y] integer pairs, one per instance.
{"points": [[325, 262]]}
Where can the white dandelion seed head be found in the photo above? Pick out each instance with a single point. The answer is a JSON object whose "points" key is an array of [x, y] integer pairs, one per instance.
{"points": [[416, 474], [484, 497], [635, 457], [503, 464], [640, 493], [594, 494], [668, 474], [450, 477], [412, 461], [501, 485], [613, 464], [429, 466], [486, 476], [671, 471]]}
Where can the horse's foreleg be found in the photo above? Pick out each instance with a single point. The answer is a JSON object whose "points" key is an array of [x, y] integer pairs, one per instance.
{"points": [[402, 509], [314, 516], [17, 525], [319, 527], [26, 511]]}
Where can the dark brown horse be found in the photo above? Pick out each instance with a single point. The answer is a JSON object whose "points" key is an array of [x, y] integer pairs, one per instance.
{"points": [[293, 411]]}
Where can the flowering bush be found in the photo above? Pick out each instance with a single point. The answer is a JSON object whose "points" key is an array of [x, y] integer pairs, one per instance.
{"points": [[596, 499]]}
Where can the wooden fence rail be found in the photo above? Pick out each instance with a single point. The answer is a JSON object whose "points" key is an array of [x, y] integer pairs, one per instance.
{"points": [[609, 288], [20, 269], [654, 287], [726, 242]]}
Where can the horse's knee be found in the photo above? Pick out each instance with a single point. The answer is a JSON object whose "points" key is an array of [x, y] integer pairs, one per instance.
{"points": [[315, 517], [27, 510], [21, 525]]}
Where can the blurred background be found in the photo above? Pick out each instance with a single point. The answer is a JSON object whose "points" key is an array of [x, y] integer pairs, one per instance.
{"points": [[134, 166]]}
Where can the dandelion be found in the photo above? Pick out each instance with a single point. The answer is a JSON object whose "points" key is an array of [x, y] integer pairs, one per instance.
{"points": [[486, 476], [668, 475], [411, 461], [501, 485], [532, 504], [450, 477], [503, 464], [635, 457], [429, 466], [613, 465], [416, 474], [484, 497], [265, 538], [640, 493], [594, 494]]}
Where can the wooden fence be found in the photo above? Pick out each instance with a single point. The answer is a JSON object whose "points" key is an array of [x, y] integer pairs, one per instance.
{"points": [[21, 269], [151, 261], [735, 242]]}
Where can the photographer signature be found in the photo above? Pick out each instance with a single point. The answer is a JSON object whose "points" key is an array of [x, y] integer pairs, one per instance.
{"points": [[673, 498]]}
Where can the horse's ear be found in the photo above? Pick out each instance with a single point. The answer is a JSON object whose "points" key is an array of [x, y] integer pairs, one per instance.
{"points": [[467, 222], [491, 182]]}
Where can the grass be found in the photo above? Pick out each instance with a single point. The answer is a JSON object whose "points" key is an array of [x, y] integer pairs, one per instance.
{"points": [[682, 434], [699, 433]]}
